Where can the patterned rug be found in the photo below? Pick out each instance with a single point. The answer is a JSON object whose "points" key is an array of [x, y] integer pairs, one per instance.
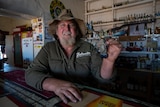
{"points": [[17, 77]]}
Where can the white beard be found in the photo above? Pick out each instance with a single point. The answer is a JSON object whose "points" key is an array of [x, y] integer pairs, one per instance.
{"points": [[69, 40]]}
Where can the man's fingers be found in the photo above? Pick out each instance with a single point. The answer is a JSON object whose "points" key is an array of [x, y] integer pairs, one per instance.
{"points": [[76, 93], [71, 97], [63, 98]]}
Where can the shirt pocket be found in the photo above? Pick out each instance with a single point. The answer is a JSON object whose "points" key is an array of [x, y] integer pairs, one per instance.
{"points": [[83, 63], [83, 60], [56, 65]]}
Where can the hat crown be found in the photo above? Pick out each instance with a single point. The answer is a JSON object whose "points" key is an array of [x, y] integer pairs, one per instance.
{"points": [[65, 14]]}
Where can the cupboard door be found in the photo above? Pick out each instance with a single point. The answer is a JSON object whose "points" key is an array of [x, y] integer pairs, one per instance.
{"points": [[17, 50]]}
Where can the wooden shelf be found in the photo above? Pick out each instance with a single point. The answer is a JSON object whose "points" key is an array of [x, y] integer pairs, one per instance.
{"points": [[98, 11], [133, 4], [112, 8], [108, 23], [139, 52], [117, 7], [135, 93]]}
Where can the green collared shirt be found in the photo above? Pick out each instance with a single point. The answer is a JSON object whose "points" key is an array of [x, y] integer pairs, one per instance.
{"points": [[82, 66]]}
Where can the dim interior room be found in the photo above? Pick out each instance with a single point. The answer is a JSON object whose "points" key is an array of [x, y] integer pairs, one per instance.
{"points": [[134, 23], [16, 16]]}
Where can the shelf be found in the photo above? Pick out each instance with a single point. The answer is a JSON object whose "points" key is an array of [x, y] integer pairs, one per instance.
{"points": [[139, 78], [109, 23], [111, 8], [157, 17], [133, 4], [121, 22], [105, 15], [93, 38], [138, 70], [90, 0], [152, 35], [139, 52], [143, 70], [117, 7], [133, 70], [98, 11], [134, 93]]}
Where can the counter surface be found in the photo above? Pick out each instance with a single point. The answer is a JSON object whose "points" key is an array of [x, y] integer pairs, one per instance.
{"points": [[16, 95]]}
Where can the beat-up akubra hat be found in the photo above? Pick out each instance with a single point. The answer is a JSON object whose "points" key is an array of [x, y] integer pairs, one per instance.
{"points": [[66, 14]]}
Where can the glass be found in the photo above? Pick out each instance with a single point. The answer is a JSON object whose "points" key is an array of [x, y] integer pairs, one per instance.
{"points": [[102, 48]]}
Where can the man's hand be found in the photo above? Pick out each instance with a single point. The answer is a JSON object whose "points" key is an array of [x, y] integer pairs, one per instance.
{"points": [[114, 49], [64, 89]]}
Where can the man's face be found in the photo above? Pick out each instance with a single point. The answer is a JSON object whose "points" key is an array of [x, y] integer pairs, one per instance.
{"points": [[66, 32]]}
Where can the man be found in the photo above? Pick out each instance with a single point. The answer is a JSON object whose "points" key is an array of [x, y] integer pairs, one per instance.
{"points": [[69, 59]]}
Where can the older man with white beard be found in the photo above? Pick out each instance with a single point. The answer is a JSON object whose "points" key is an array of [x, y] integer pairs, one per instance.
{"points": [[69, 60]]}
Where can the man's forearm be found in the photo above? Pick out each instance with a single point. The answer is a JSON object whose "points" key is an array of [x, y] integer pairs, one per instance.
{"points": [[106, 68]]}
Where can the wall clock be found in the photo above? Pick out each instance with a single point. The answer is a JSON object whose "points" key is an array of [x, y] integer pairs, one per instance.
{"points": [[55, 8]]}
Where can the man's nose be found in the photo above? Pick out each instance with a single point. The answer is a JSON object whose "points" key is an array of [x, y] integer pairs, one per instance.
{"points": [[68, 27]]}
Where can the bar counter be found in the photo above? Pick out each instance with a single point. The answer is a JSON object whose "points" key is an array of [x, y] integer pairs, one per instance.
{"points": [[13, 95]]}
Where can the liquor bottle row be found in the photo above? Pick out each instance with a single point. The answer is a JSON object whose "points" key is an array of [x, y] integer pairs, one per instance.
{"points": [[134, 18], [140, 62], [136, 85]]}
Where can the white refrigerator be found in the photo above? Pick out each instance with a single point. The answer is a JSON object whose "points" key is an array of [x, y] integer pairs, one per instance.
{"points": [[27, 51]]}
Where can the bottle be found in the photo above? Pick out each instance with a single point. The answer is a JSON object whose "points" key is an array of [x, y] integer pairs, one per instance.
{"points": [[143, 63], [136, 86], [138, 62], [148, 62], [144, 86], [145, 29], [102, 48], [141, 47], [129, 83]]}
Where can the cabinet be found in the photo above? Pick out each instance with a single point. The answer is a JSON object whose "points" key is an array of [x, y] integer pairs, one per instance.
{"points": [[155, 95], [110, 14], [136, 80], [136, 83], [18, 60], [142, 85], [139, 79], [106, 14], [123, 17], [139, 61]]}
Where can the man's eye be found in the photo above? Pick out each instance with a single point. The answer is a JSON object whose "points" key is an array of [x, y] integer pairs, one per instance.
{"points": [[69, 25], [72, 25], [62, 25]]}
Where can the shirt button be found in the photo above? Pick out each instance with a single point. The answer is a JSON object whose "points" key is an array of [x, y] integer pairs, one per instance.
{"points": [[69, 67]]}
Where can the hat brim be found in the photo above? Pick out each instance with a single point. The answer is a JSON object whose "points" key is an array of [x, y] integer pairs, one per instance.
{"points": [[80, 23]]}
